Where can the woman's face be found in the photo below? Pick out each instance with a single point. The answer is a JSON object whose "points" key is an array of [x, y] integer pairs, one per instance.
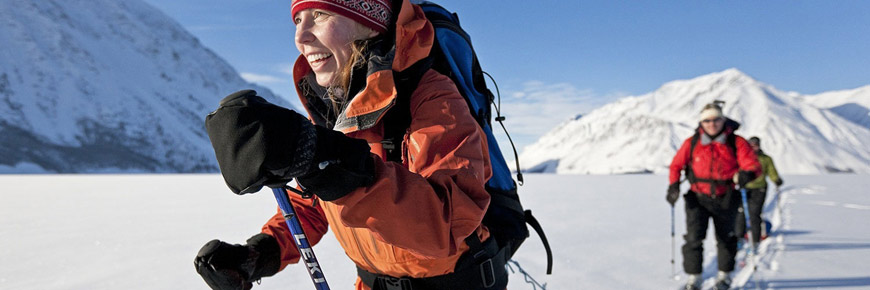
{"points": [[713, 126], [325, 39]]}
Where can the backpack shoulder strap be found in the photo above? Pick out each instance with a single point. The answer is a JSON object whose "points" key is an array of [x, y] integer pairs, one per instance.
{"points": [[397, 120], [695, 138], [690, 174], [731, 141]]}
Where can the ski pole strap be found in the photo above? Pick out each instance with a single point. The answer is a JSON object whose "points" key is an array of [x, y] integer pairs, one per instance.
{"points": [[472, 273], [307, 254]]}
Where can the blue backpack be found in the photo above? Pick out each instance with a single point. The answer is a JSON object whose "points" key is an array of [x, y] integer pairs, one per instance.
{"points": [[453, 55]]}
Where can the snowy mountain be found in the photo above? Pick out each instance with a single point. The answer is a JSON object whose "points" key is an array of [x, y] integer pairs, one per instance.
{"points": [[821, 133], [106, 86], [850, 104]]}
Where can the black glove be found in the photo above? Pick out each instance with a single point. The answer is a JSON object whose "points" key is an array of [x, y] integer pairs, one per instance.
{"points": [[257, 143], [744, 177], [673, 193], [778, 182], [235, 267], [341, 165]]}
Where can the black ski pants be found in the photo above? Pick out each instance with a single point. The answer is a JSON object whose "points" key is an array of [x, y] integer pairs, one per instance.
{"points": [[755, 199], [699, 209]]}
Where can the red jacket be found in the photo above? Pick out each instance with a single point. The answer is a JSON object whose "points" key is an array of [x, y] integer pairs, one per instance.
{"points": [[716, 161], [413, 219]]}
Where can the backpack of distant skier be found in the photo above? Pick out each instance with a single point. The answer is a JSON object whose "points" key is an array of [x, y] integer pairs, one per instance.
{"points": [[453, 56]]}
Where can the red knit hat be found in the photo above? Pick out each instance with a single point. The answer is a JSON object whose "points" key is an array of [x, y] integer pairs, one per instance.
{"points": [[374, 14]]}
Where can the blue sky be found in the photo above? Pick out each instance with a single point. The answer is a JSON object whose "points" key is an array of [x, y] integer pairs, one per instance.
{"points": [[578, 55]]}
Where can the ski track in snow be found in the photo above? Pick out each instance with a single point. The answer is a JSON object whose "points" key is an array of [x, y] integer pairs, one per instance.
{"points": [[808, 190], [816, 190], [837, 204], [856, 206]]}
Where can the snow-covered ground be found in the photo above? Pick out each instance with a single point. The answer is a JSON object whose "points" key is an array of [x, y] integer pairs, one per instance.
{"points": [[607, 232]]}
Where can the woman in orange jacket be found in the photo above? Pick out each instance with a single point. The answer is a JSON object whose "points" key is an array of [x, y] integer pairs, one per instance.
{"points": [[396, 221]]}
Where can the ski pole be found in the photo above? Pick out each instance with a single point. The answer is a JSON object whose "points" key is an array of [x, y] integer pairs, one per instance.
{"points": [[752, 254], [746, 216], [673, 245], [300, 239], [674, 241]]}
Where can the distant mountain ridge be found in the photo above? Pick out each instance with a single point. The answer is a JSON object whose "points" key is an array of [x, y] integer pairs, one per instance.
{"points": [[805, 134], [106, 86]]}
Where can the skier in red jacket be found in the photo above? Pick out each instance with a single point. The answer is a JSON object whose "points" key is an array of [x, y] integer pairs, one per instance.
{"points": [[714, 158]]}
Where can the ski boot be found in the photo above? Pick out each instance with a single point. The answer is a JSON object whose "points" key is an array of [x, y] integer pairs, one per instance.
{"points": [[693, 283], [723, 281]]}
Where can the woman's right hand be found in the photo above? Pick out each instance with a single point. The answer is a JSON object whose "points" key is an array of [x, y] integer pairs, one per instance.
{"points": [[257, 143], [260, 144]]}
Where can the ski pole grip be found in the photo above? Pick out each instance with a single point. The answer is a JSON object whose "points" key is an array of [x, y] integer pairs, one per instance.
{"points": [[299, 238]]}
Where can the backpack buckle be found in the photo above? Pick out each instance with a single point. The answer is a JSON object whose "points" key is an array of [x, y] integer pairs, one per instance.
{"points": [[487, 273], [392, 283]]}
